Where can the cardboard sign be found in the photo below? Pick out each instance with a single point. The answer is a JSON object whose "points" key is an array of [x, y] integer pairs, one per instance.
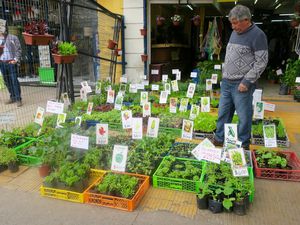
{"points": [[194, 111], [214, 78], [78, 120], [173, 105], [174, 84], [163, 97], [208, 85], [270, 136], [55, 107], [39, 116], [98, 87], [155, 87], [90, 108], [164, 78], [187, 129], [191, 90], [78, 141], [152, 128], [132, 88], [144, 97], [194, 74], [258, 110], [154, 72], [183, 104], [269, 107], [83, 95], [110, 96], [217, 67], [167, 88], [61, 118], [205, 104], [7, 118], [119, 102], [230, 133], [119, 158], [126, 119], [146, 109], [101, 134], [137, 128]]}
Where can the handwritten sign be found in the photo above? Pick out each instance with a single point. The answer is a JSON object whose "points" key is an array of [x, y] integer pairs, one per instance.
{"points": [[78, 141], [55, 107], [269, 107], [7, 118]]}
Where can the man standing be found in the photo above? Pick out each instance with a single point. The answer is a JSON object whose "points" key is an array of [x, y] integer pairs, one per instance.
{"points": [[9, 58], [245, 60]]}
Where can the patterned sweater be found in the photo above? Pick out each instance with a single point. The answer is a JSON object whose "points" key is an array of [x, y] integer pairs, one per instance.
{"points": [[246, 56]]}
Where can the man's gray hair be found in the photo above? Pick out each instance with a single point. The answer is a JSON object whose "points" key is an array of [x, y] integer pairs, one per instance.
{"points": [[239, 12]]}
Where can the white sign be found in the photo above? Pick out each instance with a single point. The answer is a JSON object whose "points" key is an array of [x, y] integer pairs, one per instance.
{"points": [[217, 67], [205, 104], [123, 80], [146, 109], [194, 111], [175, 71], [194, 74], [240, 171], [90, 108], [152, 128], [270, 136], [208, 85], [61, 118], [258, 110], [297, 79], [119, 102], [55, 107], [8, 118], [78, 141], [101, 134], [279, 72], [126, 119], [183, 104], [206, 143], [2, 26], [211, 154], [164, 78], [191, 90], [230, 133], [122, 89], [140, 86], [167, 88], [163, 97], [174, 84], [154, 72], [98, 87], [83, 95], [137, 128], [110, 96], [146, 82], [237, 157], [39, 116], [44, 56], [66, 99], [119, 158], [187, 129], [214, 78], [86, 87], [154, 87], [178, 76], [144, 97], [257, 96], [132, 88], [269, 107], [78, 120], [173, 105]]}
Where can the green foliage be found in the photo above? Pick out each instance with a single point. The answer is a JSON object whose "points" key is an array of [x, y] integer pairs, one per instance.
{"points": [[7, 156], [205, 122], [290, 74], [67, 48], [257, 129], [267, 158]]}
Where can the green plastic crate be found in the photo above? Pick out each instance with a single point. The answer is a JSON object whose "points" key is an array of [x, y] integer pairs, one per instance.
{"points": [[177, 183], [46, 75]]}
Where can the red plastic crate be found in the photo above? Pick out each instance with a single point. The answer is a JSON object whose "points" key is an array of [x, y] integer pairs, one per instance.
{"points": [[279, 174]]}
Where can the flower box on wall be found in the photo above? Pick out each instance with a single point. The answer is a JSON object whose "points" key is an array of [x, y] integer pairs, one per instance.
{"points": [[37, 39], [111, 44]]}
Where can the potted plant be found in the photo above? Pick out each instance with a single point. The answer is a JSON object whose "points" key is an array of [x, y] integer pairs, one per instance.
{"points": [[36, 33], [196, 20], [8, 157], [111, 44], [177, 19], [160, 20], [203, 196], [64, 52]]}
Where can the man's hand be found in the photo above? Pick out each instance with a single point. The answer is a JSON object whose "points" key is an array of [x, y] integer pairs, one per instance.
{"points": [[12, 62], [242, 88]]}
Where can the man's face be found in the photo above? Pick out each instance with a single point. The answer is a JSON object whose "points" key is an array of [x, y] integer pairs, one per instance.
{"points": [[240, 26]]}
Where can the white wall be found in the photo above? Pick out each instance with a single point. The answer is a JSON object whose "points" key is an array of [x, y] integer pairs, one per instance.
{"points": [[134, 41]]}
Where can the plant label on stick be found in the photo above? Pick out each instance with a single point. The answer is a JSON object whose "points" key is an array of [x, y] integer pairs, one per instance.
{"points": [[78, 141], [174, 84], [214, 78], [205, 104], [61, 118], [173, 105], [152, 128], [187, 129], [137, 128], [270, 136], [154, 87], [167, 88], [78, 120], [144, 97], [194, 111], [119, 158], [39, 116], [178, 76], [98, 87], [154, 72], [119, 102], [132, 88], [208, 85], [83, 95], [126, 119], [66, 99], [257, 96], [175, 71], [183, 104], [90, 108], [206, 143], [191, 90], [101, 134], [211, 154], [217, 67], [146, 109], [86, 87], [110, 96], [230, 134], [237, 157], [163, 97], [194, 74], [258, 110], [297, 80], [164, 78]]}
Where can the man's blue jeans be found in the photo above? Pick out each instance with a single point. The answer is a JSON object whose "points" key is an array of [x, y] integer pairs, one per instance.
{"points": [[10, 77], [231, 100]]}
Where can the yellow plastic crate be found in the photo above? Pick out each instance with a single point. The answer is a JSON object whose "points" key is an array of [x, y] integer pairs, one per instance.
{"points": [[71, 195]]}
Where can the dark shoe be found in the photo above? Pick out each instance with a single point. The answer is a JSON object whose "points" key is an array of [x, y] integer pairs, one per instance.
{"points": [[19, 103], [217, 143], [10, 101], [246, 147]]}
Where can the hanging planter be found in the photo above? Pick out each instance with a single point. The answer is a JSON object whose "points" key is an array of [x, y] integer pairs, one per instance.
{"points": [[64, 59], [64, 52], [160, 20], [36, 33], [111, 44], [144, 58], [196, 20], [143, 32], [118, 52]]}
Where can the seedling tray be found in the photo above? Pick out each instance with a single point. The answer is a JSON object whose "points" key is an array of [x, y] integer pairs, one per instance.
{"points": [[117, 202], [202, 135], [280, 174]]}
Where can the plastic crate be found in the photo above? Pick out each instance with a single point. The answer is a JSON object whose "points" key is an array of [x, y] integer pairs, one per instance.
{"points": [[202, 135], [46, 75], [279, 174], [118, 202], [177, 183], [70, 195], [261, 142]]}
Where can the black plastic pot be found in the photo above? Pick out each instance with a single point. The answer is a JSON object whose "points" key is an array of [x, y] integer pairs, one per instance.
{"points": [[202, 203], [215, 206], [13, 167], [2, 168], [240, 207], [283, 89]]}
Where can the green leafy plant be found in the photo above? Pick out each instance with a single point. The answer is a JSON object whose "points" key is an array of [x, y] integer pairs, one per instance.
{"points": [[205, 122], [7, 156], [267, 158], [66, 48]]}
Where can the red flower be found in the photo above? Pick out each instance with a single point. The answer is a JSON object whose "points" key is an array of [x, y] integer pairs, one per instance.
{"points": [[102, 131]]}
